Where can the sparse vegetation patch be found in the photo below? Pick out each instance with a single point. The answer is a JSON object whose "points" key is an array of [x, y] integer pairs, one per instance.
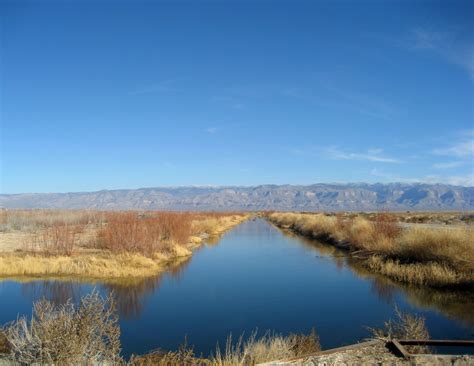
{"points": [[418, 255], [105, 244]]}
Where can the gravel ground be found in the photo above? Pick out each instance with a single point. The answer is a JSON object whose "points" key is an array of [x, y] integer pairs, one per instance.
{"points": [[373, 353]]}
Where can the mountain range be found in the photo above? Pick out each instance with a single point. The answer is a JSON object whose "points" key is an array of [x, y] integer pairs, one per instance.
{"points": [[316, 197]]}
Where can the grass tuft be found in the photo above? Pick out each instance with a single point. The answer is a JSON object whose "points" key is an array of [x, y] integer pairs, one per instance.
{"points": [[404, 326]]}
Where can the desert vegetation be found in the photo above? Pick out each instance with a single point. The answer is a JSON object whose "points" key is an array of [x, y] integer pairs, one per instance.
{"points": [[418, 255], [459, 218], [403, 326], [252, 350], [88, 333], [102, 244]]}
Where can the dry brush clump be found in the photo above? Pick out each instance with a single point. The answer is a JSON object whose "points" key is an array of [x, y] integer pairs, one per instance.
{"points": [[146, 234], [244, 352], [153, 232], [184, 356], [269, 347], [120, 244], [67, 334], [431, 256], [89, 334], [404, 326], [58, 239]]}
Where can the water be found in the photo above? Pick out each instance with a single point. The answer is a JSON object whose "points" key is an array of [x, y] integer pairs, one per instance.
{"points": [[255, 277]]}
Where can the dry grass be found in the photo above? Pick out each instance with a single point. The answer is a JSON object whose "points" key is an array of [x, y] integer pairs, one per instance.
{"points": [[99, 265], [34, 220], [66, 334], [89, 334], [183, 356], [428, 256], [430, 273], [214, 224], [250, 351], [269, 347], [405, 326], [121, 244], [452, 246]]}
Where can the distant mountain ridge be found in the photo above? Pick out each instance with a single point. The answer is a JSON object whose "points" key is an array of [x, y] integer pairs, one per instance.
{"points": [[316, 197]]}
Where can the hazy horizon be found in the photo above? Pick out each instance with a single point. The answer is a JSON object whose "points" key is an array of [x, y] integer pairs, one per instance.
{"points": [[216, 186]]}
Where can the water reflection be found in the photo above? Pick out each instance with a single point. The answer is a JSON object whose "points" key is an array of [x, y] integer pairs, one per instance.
{"points": [[384, 291], [59, 292], [130, 298], [455, 304], [254, 277], [130, 295]]}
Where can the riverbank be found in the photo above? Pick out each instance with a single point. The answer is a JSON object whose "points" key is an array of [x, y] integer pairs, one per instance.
{"points": [[120, 245], [89, 332], [435, 257]]}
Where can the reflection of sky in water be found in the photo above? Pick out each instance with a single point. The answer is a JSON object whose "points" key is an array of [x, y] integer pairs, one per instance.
{"points": [[254, 278]]}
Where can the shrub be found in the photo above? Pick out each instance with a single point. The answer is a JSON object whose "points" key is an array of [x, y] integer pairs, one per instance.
{"points": [[254, 350], [157, 232], [385, 225], [174, 226], [58, 239], [269, 347], [405, 326], [183, 356], [66, 334]]}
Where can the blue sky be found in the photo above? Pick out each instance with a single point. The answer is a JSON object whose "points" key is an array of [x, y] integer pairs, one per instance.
{"points": [[129, 94]]}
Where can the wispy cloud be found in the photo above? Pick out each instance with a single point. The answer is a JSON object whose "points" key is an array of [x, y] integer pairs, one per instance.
{"points": [[463, 180], [447, 45], [212, 130], [448, 165], [461, 149], [374, 155]]}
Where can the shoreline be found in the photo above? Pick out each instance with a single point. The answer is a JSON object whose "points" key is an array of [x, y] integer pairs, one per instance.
{"points": [[103, 265], [429, 273]]}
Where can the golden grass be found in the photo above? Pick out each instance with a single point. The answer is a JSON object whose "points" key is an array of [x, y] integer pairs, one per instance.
{"points": [[100, 265], [215, 225], [427, 256], [252, 351], [453, 246], [430, 273], [107, 264]]}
